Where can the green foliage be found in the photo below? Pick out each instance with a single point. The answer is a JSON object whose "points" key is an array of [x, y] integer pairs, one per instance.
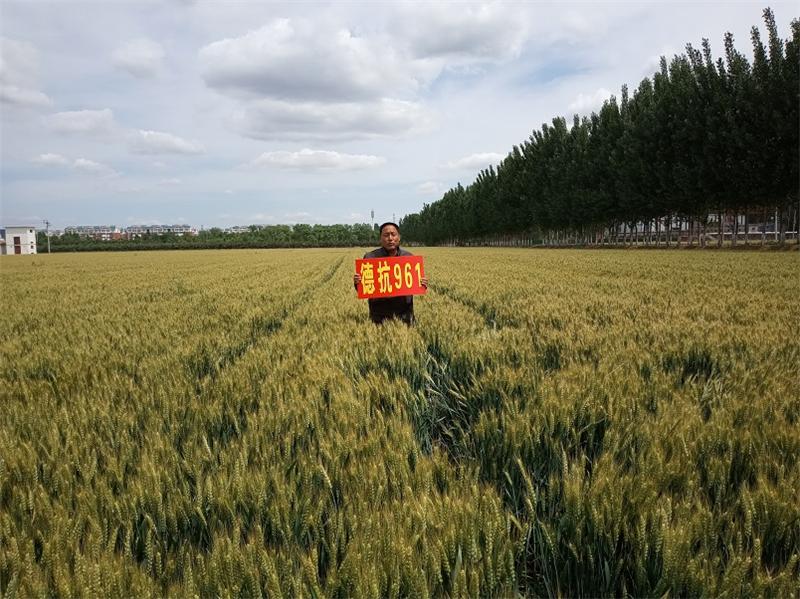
{"points": [[269, 236]]}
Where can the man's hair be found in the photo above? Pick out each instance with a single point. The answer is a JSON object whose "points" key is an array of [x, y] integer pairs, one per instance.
{"points": [[387, 224]]}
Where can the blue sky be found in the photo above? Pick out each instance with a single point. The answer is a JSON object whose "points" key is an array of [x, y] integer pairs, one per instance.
{"points": [[225, 113]]}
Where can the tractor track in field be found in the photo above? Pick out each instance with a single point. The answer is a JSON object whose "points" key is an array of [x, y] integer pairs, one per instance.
{"points": [[487, 312], [207, 365]]}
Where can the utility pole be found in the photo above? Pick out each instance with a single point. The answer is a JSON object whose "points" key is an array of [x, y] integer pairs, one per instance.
{"points": [[47, 233]]}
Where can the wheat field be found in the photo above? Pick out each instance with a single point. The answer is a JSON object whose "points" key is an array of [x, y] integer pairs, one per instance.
{"points": [[557, 423]]}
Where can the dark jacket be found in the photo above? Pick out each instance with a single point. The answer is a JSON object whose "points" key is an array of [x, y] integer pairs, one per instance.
{"points": [[401, 307]]}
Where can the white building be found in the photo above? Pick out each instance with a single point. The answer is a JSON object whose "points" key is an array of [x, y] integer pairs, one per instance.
{"points": [[18, 240], [101, 232], [178, 230]]}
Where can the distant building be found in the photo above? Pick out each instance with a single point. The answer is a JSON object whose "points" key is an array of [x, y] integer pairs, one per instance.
{"points": [[18, 240], [138, 230], [238, 229], [99, 232]]}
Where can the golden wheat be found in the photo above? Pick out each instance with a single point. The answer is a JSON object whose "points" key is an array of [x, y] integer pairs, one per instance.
{"points": [[230, 423]]}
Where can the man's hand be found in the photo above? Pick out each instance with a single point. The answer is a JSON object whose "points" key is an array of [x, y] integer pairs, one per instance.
{"points": [[424, 282], [356, 280]]}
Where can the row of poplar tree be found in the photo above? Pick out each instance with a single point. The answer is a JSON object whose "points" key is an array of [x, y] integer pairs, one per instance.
{"points": [[702, 144]]}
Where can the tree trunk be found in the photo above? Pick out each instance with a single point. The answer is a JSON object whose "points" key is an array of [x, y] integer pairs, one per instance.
{"points": [[719, 229], [763, 226], [746, 226], [735, 231], [796, 221], [703, 231], [777, 220], [782, 239]]}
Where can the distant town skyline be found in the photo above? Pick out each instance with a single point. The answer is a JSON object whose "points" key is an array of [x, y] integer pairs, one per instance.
{"points": [[224, 114]]}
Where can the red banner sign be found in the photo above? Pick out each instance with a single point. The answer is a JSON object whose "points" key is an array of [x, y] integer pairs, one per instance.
{"points": [[390, 277]]}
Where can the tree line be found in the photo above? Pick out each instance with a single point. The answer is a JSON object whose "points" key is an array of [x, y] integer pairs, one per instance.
{"points": [[701, 146], [270, 236]]}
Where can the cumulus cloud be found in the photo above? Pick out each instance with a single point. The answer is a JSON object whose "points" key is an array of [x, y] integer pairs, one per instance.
{"points": [[588, 102], [99, 123], [276, 119], [79, 164], [475, 161], [19, 65], [158, 142], [307, 159], [90, 166], [29, 98], [50, 159], [489, 32], [296, 59], [139, 57], [304, 80]]}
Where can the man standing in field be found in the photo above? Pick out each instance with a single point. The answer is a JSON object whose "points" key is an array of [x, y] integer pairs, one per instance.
{"points": [[401, 307]]}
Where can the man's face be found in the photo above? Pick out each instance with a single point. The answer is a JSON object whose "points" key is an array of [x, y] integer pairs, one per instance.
{"points": [[390, 238]]}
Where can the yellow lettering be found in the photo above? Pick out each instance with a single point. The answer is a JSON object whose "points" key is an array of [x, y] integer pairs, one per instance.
{"points": [[384, 284], [398, 278], [367, 278]]}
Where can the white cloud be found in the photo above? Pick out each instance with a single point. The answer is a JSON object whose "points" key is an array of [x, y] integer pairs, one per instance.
{"points": [[276, 119], [475, 161], [304, 80], [51, 160], [30, 98], [589, 102], [307, 159], [301, 60], [431, 188], [99, 123], [157, 142], [90, 166], [79, 164], [139, 57], [489, 32], [19, 65], [169, 182]]}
